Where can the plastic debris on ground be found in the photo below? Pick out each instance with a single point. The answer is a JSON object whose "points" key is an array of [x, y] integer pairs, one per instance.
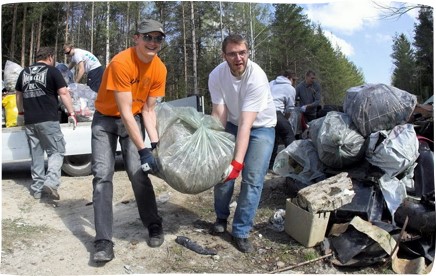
{"points": [[192, 245]]}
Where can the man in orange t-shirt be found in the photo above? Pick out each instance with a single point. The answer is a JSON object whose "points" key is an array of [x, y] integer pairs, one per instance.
{"points": [[124, 109]]}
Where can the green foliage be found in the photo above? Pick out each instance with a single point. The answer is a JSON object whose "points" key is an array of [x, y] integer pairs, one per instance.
{"points": [[404, 62], [280, 36], [423, 43]]}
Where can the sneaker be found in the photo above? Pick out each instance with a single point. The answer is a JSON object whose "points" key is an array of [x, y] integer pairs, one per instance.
{"points": [[155, 235], [104, 251], [51, 191], [243, 245], [220, 226]]}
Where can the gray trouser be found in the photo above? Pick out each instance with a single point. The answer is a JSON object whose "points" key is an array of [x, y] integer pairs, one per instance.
{"points": [[45, 137], [106, 131]]}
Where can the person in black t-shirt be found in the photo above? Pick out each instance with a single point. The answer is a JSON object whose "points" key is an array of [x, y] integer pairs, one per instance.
{"points": [[37, 90]]}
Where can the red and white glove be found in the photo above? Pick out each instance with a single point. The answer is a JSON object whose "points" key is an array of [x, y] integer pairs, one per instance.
{"points": [[232, 171], [72, 120]]}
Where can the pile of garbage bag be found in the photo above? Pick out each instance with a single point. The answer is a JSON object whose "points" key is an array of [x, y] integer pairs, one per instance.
{"points": [[375, 141], [193, 151]]}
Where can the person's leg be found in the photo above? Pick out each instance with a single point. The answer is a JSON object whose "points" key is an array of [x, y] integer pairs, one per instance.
{"points": [[141, 184], [283, 133], [53, 143], [103, 145], [253, 175], [142, 188], [37, 167], [223, 192], [286, 133]]}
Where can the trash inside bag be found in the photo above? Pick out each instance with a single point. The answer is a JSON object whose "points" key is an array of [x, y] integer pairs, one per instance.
{"points": [[375, 107], [83, 101], [337, 140], [300, 162], [193, 151], [10, 74], [393, 151]]}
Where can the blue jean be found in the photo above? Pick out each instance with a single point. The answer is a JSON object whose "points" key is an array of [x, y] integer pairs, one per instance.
{"points": [[45, 137], [106, 131], [255, 167]]}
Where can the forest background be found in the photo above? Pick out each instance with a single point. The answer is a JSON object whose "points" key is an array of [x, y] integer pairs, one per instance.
{"points": [[280, 37]]}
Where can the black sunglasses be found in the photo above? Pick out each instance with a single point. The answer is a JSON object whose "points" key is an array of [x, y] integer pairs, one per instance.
{"points": [[67, 53], [149, 38]]}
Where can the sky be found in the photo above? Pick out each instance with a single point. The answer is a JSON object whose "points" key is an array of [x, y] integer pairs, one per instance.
{"points": [[357, 27]]}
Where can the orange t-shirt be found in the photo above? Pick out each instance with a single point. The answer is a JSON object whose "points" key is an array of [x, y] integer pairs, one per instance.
{"points": [[127, 74]]}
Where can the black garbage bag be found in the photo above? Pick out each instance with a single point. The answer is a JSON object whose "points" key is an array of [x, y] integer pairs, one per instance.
{"points": [[337, 140], [375, 107]]}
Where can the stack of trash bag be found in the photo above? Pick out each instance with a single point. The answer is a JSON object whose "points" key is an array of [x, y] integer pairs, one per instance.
{"points": [[193, 151], [372, 129], [374, 107]]}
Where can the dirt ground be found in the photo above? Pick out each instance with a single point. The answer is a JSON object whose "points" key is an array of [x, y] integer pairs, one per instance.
{"points": [[45, 237]]}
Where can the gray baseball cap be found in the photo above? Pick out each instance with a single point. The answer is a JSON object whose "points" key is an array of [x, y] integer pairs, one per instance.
{"points": [[150, 25]]}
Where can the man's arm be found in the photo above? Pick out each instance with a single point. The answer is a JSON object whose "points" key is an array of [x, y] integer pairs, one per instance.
{"points": [[242, 139], [149, 118], [80, 71], [124, 103], [65, 96], [219, 111], [19, 101]]}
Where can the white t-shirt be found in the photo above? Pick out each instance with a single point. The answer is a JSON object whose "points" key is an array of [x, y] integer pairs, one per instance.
{"points": [[249, 93], [90, 61]]}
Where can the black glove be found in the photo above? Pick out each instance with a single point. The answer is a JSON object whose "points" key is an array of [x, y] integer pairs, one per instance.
{"points": [[148, 162], [153, 145]]}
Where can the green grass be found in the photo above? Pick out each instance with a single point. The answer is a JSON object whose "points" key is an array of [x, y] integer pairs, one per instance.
{"points": [[17, 231]]}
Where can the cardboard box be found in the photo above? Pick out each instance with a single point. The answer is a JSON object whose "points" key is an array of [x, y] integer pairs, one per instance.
{"points": [[306, 228]]}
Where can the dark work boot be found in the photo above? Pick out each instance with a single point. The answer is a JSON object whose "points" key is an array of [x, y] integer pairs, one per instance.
{"points": [[155, 235], [219, 227], [243, 245], [104, 251]]}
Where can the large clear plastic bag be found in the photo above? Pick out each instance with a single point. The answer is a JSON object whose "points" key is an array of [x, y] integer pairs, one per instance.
{"points": [[83, 101], [193, 151], [375, 107], [11, 73], [337, 140]]}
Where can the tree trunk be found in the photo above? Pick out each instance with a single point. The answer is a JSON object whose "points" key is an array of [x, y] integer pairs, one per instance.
{"points": [[23, 37], [92, 27], [38, 35], [253, 49], [32, 42], [194, 52], [14, 27], [57, 36], [107, 32], [67, 34], [185, 54], [127, 25]]}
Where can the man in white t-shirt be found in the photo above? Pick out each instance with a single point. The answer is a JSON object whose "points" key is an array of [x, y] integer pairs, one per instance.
{"points": [[242, 101], [86, 62]]}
